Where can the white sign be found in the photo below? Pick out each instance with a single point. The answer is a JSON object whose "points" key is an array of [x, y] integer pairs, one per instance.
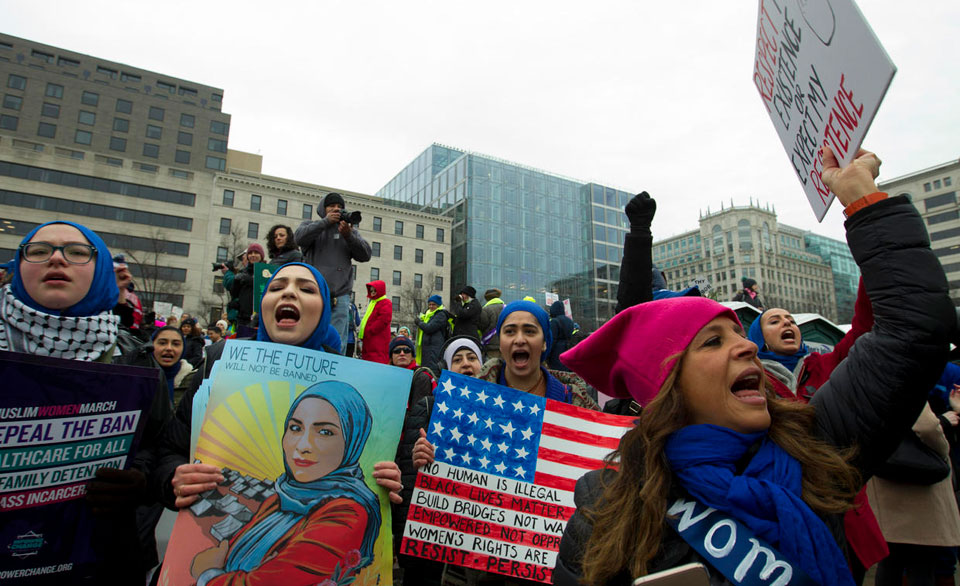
{"points": [[566, 308], [822, 74], [162, 309], [550, 298], [702, 284], [177, 312]]}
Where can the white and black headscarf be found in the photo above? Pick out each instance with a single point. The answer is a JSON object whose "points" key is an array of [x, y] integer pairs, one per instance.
{"points": [[84, 331]]}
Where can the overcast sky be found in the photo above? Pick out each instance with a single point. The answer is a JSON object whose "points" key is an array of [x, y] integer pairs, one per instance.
{"points": [[654, 96]]}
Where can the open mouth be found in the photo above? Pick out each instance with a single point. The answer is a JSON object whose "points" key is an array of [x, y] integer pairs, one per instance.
{"points": [[788, 335], [749, 386], [287, 316], [521, 358]]}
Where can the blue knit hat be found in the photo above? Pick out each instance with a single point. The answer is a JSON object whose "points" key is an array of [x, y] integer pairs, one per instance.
{"points": [[436, 299], [541, 316]]}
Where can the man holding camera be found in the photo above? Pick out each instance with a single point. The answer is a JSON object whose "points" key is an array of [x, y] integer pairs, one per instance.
{"points": [[331, 244]]}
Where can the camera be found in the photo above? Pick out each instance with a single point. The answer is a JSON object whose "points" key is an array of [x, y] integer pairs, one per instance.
{"points": [[229, 264], [353, 218]]}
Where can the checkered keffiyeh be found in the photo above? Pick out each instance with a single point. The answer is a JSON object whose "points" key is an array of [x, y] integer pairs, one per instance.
{"points": [[24, 329]]}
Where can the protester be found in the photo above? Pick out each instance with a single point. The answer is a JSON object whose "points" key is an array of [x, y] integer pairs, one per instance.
{"points": [[282, 246], [374, 331], [353, 322], [465, 311], [213, 351], [331, 244], [433, 329], [706, 408], [748, 294], [488, 322], [423, 383], [167, 352], [525, 343], [240, 285], [295, 310], [561, 331], [192, 341], [404, 331], [59, 303]]}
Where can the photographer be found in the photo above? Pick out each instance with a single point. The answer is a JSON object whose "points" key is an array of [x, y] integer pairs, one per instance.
{"points": [[331, 244], [239, 282]]}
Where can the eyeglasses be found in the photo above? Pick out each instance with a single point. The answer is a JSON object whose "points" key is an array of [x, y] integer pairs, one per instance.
{"points": [[74, 253], [402, 350]]}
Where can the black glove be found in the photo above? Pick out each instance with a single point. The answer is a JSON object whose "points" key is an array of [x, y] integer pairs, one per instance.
{"points": [[640, 211], [115, 491]]}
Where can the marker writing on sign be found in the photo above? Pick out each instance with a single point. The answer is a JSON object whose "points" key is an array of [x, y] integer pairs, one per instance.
{"points": [[845, 116]]}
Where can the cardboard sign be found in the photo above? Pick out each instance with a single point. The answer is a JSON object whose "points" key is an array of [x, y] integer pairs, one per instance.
{"points": [[296, 433], [163, 309], [500, 492], [822, 74], [61, 421], [702, 284]]}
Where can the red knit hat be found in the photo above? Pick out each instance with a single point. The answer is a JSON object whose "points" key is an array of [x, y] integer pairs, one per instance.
{"points": [[630, 356], [254, 247]]}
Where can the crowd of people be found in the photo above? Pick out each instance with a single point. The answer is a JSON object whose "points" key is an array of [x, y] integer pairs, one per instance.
{"points": [[794, 449]]}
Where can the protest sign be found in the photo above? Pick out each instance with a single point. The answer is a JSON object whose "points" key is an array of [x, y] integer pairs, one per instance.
{"points": [[822, 74], [549, 298], [500, 492], [163, 309], [702, 284], [566, 309], [61, 421], [297, 433], [261, 276]]}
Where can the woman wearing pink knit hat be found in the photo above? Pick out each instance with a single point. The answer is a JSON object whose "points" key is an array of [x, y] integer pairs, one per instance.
{"points": [[717, 471]]}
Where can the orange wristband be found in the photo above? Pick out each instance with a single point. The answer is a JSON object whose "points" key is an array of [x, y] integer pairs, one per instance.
{"points": [[863, 202]]}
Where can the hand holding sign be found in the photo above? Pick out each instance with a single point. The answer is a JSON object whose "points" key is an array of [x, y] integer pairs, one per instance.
{"points": [[854, 181]]}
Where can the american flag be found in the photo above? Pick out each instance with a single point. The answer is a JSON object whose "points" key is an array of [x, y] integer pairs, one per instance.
{"points": [[501, 490]]}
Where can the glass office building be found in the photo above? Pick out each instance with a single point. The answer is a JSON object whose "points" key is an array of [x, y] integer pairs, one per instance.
{"points": [[522, 230], [846, 273]]}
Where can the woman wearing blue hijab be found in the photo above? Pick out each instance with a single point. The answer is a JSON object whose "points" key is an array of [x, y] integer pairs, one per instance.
{"points": [[323, 516], [61, 297]]}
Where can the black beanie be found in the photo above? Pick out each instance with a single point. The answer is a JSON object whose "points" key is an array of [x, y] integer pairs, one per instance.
{"points": [[332, 198], [469, 291], [747, 282], [402, 341]]}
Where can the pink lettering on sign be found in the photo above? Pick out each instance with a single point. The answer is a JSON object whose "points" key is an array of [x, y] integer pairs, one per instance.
{"points": [[845, 116]]}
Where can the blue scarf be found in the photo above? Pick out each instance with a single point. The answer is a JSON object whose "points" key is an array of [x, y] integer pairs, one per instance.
{"points": [[170, 372], [755, 335], [541, 316], [325, 334], [766, 496], [298, 499], [103, 293]]}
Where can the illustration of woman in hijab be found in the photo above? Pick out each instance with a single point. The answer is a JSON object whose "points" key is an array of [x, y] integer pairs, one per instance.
{"points": [[323, 520]]}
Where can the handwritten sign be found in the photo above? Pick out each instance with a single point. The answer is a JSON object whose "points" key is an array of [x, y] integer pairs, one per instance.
{"points": [[822, 74], [500, 492], [60, 422]]}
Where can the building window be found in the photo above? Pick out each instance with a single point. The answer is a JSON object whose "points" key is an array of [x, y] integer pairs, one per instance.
{"points": [[124, 106], [395, 300], [12, 102], [124, 76], [217, 145], [307, 211], [42, 56], [83, 137], [418, 256], [8, 122], [154, 132], [54, 90], [282, 207], [187, 120], [397, 253], [182, 157], [353, 275], [156, 113], [940, 200], [16, 82], [943, 217], [947, 182], [375, 249], [255, 201], [438, 284], [121, 124], [218, 127], [118, 144], [225, 225], [151, 150], [216, 163], [439, 261], [184, 138], [88, 118], [376, 224], [420, 231], [167, 87], [374, 274], [936, 184], [417, 281], [112, 74], [398, 227], [47, 130], [228, 197], [253, 230], [439, 234], [89, 98], [50, 110], [397, 278]]}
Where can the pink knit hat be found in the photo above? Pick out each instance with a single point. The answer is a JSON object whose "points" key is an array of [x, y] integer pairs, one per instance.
{"points": [[628, 357], [254, 247]]}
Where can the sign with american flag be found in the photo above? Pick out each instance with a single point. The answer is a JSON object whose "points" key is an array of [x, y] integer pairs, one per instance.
{"points": [[500, 492]]}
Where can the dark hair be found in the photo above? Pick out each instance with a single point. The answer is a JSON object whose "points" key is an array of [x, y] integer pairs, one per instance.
{"points": [[167, 329], [215, 329], [272, 247]]}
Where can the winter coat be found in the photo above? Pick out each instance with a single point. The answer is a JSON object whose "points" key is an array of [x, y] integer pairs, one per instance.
{"points": [[874, 395], [916, 513], [193, 350], [466, 317], [489, 315], [376, 329], [565, 387], [431, 335], [286, 256], [242, 294], [561, 330], [331, 253]]}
